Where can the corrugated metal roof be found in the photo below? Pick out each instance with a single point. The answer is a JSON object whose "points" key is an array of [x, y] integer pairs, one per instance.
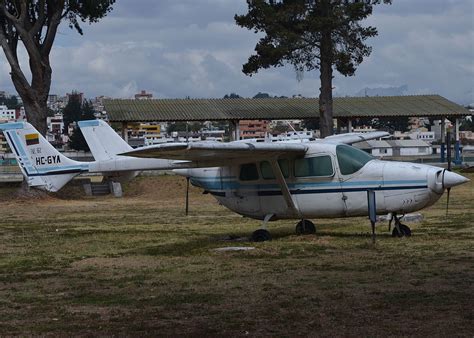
{"points": [[130, 110]]}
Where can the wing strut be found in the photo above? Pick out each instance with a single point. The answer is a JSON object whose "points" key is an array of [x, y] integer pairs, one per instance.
{"points": [[284, 188]]}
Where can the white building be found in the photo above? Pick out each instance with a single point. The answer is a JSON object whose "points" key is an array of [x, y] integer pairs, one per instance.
{"points": [[428, 136], [436, 128], [376, 148], [410, 148], [7, 114], [395, 148]]}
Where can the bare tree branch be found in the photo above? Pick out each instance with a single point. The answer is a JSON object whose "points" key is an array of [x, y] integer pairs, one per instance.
{"points": [[13, 59], [41, 19]]}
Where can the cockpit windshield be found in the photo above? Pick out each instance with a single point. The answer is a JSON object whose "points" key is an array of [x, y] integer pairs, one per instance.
{"points": [[351, 159]]}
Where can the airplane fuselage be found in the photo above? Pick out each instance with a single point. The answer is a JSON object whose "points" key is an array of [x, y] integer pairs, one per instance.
{"points": [[325, 183]]}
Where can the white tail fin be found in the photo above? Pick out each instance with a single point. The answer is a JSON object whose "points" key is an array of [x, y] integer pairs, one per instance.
{"points": [[102, 140], [41, 164]]}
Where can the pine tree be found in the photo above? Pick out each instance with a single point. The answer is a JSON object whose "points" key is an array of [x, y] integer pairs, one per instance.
{"points": [[310, 34], [76, 111]]}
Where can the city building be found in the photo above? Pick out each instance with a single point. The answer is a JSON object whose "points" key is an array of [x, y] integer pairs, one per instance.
{"points": [[253, 128], [377, 148], [466, 137], [436, 128], [55, 133], [422, 134], [57, 103], [98, 106], [81, 96], [7, 114], [143, 95], [388, 148]]}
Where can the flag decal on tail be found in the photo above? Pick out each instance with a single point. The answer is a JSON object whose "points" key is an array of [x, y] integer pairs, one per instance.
{"points": [[31, 139]]}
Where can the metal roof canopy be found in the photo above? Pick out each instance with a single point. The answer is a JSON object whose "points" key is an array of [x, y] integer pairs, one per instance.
{"points": [[130, 110]]}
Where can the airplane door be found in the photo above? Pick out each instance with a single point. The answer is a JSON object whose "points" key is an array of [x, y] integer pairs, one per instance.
{"points": [[247, 190], [317, 186]]}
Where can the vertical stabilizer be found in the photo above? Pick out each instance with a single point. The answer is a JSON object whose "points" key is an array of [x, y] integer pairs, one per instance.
{"points": [[102, 140], [43, 166]]}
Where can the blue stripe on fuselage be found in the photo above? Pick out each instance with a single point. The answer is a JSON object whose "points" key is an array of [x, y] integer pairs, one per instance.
{"points": [[216, 184]]}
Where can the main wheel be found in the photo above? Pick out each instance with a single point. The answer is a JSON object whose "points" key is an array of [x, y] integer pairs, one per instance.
{"points": [[305, 227], [261, 235], [404, 231]]}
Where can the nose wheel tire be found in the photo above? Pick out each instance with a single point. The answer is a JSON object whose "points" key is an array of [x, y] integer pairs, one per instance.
{"points": [[261, 235], [404, 231], [305, 227]]}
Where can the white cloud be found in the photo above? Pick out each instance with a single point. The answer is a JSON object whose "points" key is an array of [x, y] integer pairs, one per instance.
{"points": [[193, 48]]}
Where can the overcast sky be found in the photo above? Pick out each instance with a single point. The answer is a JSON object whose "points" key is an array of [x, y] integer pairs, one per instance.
{"points": [[180, 48]]}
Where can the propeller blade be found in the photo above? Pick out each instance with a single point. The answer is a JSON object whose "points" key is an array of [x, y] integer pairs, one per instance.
{"points": [[447, 202], [187, 195]]}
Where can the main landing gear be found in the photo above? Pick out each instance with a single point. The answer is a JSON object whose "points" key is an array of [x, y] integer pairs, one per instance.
{"points": [[400, 230], [262, 234], [304, 227]]}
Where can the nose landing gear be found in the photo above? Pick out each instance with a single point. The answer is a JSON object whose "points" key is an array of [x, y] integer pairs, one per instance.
{"points": [[400, 230]]}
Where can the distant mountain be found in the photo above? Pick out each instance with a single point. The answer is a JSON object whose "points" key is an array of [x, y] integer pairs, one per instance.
{"points": [[383, 91]]}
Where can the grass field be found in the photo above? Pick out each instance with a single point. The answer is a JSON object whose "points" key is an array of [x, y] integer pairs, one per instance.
{"points": [[138, 266]]}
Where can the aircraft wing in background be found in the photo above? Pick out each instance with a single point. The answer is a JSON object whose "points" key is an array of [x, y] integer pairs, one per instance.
{"points": [[350, 138]]}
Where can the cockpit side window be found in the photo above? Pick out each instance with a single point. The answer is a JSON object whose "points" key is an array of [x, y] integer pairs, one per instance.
{"points": [[248, 172], [314, 166], [351, 159], [266, 170]]}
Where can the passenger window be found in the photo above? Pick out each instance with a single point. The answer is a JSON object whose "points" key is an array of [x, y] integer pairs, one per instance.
{"points": [[267, 171], [351, 159], [314, 166], [248, 172]]}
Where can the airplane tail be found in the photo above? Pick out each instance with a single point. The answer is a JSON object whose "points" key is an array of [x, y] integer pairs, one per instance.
{"points": [[42, 165], [102, 140]]}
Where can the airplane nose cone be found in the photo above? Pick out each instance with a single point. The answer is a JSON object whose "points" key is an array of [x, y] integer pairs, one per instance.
{"points": [[451, 179]]}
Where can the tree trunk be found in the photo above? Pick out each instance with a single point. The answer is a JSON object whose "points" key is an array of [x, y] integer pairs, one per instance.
{"points": [[325, 96], [36, 114], [35, 97]]}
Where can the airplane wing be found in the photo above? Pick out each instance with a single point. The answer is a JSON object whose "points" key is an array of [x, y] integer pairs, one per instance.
{"points": [[216, 153], [350, 138]]}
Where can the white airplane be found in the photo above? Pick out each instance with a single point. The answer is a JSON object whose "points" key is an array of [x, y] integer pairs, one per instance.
{"points": [[267, 181]]}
